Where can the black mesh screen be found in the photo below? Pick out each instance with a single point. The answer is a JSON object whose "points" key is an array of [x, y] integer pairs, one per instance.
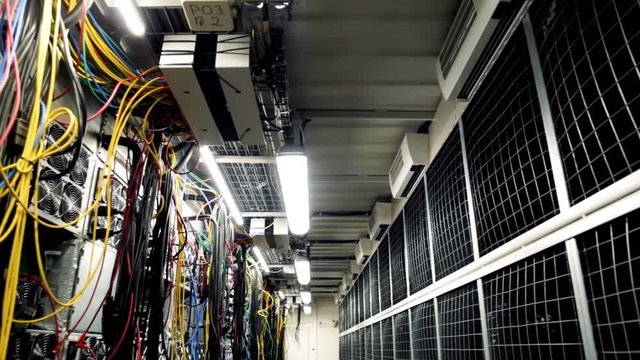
{"points": [[423, 335], [590, 50], [509, 165], [448, 209], [415, 217], [610, 257], [366, 293], [367, 343], [531, 312], [387, 338], [398, 270], [375, 291], [361, 345], [344, 354], [402, 336], [360, 287], [384, 277], [376, 353], [461, 333]]}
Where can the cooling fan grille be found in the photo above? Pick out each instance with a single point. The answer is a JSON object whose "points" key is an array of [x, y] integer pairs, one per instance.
{"points": [[49, 193], [71, 203]]}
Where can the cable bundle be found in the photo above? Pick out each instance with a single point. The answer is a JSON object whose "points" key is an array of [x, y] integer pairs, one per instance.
{"points": [[180, 288]]}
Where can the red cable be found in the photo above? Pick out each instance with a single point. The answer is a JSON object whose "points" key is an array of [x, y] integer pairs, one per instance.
{"points": [[18, 98]]}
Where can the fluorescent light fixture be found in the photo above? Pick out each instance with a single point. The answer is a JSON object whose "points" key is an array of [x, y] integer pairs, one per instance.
{"points": [[307, 309], [303, 270], [281, 294], [306, 297], [292, 170], [261, 260], [207, 158], [131, 16]]}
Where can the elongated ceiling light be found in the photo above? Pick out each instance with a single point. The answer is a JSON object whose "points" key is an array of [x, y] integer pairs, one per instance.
{"points": [[292, 170], [303, 270], [207, 158], [131, 16], [261, 260], [306, 297]]}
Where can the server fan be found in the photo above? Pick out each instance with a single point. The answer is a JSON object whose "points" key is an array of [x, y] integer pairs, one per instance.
{"points": [[79, 172], [49, 192], [43, 347], [71, 203], [93, 349], [19, 346], [58, 162]]}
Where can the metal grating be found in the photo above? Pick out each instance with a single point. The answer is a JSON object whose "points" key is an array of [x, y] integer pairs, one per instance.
{"points": [[366, 294], [384, 279], [398, 269], [254, 186], [459, 316], [367, 343], [509, 164], [376, 352], [531, 311], [423, 335], [507, 13], [448, 209], [589, 52], [610, 257], [374, 287], [402, 336], [361, 293], [361, 344], [415, 217], [387, 338]]}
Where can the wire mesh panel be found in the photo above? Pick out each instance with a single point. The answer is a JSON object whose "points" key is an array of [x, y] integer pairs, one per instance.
{"points": [[358, 288], [415, 218], [423, 335], [589, 50], [374, 285], [361, 344], [459, 315], [376, 343], [366, 294], [398, 269], [448, 209], [509, 165], [384, 274], [402, 336], [531, 311], [368, 347], [387, 338], [354, 345], [610, 257]]}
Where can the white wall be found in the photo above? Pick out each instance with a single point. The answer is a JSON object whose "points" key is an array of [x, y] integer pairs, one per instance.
{"points": [[317, 336]]}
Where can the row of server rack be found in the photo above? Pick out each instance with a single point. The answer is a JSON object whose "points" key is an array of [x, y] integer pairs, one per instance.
{"points": [[466, 270]]}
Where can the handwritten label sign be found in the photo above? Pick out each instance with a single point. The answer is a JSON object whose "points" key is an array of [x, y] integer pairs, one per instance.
{"points": [[208, 15]]}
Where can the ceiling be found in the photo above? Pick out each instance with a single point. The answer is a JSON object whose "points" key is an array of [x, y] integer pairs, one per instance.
{"points": [[363, 74]]}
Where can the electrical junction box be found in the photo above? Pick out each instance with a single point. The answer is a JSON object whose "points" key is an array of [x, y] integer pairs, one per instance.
{"points": [[365, 249], [272, 233], [208, 15]]}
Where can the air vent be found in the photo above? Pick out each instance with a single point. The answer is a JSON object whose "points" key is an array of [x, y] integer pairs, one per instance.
{"points": [[461, 25], [412, 156]]}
